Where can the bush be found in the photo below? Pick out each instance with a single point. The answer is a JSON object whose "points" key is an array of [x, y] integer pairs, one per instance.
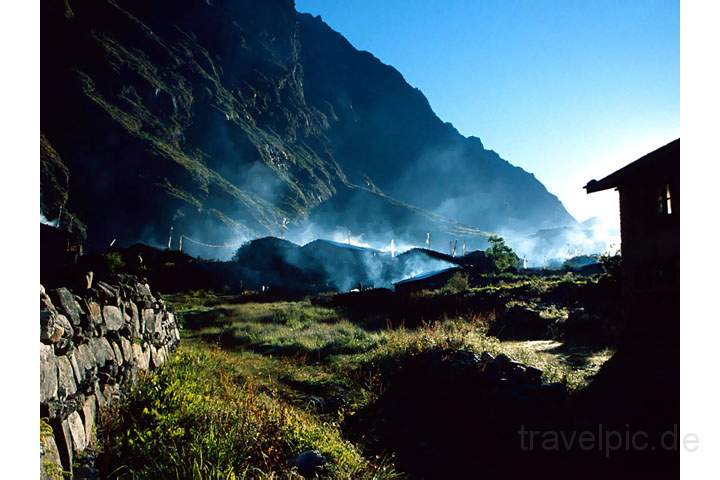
{"points": [[457, 283], [115, 262]]}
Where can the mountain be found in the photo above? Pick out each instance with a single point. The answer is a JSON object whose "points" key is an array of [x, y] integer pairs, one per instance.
{"points": [[237, 119]]}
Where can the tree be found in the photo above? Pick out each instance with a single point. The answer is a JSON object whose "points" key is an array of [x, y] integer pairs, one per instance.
{"points": [[501, 254]]}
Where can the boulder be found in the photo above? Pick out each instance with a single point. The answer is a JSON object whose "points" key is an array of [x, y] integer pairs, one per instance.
{"points": [[48, 374], [113, 318], [309, 463]]}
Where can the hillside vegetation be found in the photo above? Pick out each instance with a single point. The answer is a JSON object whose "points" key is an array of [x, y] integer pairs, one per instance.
{"points": [[255, 384], [236, 119]]}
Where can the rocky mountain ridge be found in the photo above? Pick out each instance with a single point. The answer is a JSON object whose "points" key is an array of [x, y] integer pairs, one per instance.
{"points": [[237, 119]]}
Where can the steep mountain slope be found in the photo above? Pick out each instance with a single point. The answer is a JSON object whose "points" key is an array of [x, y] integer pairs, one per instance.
{"points": [[226, 118]]}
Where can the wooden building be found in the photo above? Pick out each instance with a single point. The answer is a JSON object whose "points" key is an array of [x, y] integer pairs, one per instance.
{"points": [[649, 190]]}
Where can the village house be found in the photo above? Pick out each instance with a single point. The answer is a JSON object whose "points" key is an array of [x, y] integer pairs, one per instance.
{"points": [[649, 191]]}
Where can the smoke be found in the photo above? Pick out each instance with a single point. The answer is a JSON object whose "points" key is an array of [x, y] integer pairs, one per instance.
{"points": [[550, 247], [44, 220]]}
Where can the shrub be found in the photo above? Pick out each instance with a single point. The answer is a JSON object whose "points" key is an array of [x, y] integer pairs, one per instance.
{"points": [[457, 283], [115, 262]]}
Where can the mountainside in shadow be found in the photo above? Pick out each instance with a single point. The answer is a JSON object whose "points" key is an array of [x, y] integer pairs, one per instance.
{"points": [[231, 120]]}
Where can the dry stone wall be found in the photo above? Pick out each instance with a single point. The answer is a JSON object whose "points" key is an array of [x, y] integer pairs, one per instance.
{"points": [[92, 346]]}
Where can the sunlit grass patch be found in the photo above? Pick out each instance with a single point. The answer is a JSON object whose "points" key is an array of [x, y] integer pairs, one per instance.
{"points": [[193, 419]]}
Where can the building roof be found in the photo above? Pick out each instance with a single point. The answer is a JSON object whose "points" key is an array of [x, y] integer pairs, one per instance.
{"points": [[639, 168], [427, 275]]}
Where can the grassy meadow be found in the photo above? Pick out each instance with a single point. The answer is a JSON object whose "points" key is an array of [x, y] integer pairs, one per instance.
{"points": [[256, 383]]}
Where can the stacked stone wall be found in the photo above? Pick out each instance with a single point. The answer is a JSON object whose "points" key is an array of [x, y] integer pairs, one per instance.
{"points": [[93, 345]]}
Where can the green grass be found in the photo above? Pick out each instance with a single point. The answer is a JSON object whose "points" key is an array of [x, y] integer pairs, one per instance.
{"points": [[254, 384], [199, 418]]}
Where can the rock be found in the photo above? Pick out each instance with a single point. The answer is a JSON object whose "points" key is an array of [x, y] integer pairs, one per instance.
{"points": [[95, 313], [503, 359], [66, 378], [50, 330], [309, 463], [68, 304], [155, 356], [486, 357], [48, 374], [127, 351], [45, 301], [113, 318], [150, 323], [50, 463], [108, 291], [89, 410], [102, 351], [465, 359], [534, 375], [134, 319], [68, 330], [77, 432], [143, 290], [111, 393], [117, 352], [77, 371], [65, 445], [141, 358]]}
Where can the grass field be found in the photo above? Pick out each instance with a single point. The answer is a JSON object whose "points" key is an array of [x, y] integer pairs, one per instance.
{"points": [[255, 384]]}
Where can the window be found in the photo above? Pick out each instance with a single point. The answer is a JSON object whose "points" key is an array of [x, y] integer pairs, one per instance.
{"points": [[665, 201]]}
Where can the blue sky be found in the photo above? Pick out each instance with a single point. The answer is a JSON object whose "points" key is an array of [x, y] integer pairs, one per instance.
{"points": [[567, 89]]}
